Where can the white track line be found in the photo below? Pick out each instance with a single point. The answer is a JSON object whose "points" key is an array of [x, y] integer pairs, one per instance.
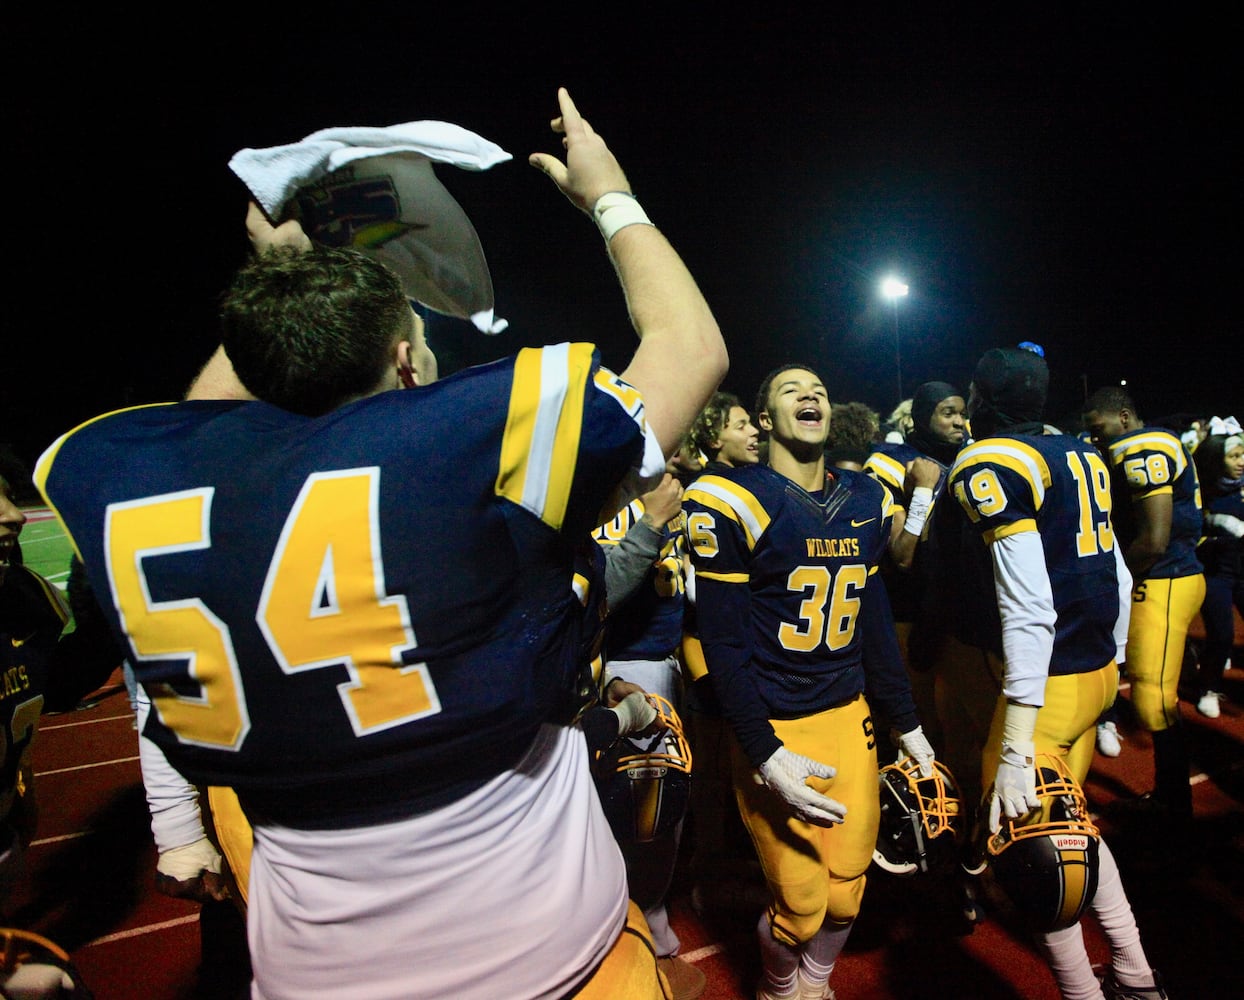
{"points": [[85, 767], [163, 925], [56, 840], [44, 728], [708, 951]]}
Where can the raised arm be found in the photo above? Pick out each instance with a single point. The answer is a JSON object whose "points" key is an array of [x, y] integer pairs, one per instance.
{"points": [[681, 358], [217, 379]]}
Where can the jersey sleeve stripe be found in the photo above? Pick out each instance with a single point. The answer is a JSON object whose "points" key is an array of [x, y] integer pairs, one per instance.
{"points": [[886, 469], [540, 445], [722, 577], [1164, 444], [734, 501], [1006, 530], [43, 466], [1013, 455]]}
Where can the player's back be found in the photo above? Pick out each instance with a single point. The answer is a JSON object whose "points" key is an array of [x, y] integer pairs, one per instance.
{"points": [[1059, 487], [1151, 461], [381, 593]]}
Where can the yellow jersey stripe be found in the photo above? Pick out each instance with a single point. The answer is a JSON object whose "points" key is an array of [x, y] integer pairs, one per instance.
{"points": [[540, 444], [889, 470], [1007, 530], [734, 501], [1164, 443], [1013, 455], [722, 577], [44, 464]]}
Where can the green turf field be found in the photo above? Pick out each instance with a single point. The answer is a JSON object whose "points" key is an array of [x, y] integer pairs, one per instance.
{"points": [[45, 548]]}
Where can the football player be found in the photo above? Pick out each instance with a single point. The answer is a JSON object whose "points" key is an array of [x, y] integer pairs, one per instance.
{"points": [[40, 670], [1043, 591], [914, 470], [354, 606], [794, 626], [723, 864], [645, 587], [1159, 526]]}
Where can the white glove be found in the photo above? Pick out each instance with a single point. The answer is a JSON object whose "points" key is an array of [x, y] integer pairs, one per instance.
{"points": [[634, 712], [786, 774], [189, 861], [916, 745], [1015, 787]]}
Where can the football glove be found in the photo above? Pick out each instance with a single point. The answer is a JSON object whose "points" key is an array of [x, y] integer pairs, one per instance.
{"points": [[1015, 786], [786, 774], [916, 746]]}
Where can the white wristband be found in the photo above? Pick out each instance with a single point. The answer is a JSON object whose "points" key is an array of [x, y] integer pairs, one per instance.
{"points": [[918, 512], [616, 210]]}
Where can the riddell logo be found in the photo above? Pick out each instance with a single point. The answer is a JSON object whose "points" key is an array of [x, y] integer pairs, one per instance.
{"points": [[1071, 842]]}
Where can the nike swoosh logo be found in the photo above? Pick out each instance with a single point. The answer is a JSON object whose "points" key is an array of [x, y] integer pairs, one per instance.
{"points": [[860, 524]]}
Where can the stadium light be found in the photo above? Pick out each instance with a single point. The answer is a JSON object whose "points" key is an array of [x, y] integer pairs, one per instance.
{"points": [[894, 289]]}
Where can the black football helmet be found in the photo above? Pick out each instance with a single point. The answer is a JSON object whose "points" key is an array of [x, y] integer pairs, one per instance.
{"points": [[920, 818], [1046, 862], [644, 779]]}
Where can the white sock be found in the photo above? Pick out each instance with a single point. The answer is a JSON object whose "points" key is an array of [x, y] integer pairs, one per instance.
{"points": [[779, 962], [1068, 960], [1114, 913], [822, 951]]}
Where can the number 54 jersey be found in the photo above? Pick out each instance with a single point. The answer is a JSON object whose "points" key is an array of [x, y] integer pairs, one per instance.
{"points": [[359, 616]]}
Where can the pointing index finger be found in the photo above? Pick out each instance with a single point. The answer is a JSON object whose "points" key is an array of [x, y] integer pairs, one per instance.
{"points": [[571, 122]]}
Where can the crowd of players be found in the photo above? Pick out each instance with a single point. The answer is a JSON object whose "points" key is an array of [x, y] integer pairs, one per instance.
{"points": [[438, 670]]}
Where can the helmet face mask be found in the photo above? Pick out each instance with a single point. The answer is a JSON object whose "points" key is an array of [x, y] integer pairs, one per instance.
{"points": [[1046, 862], [920, 819], [644, 779]]}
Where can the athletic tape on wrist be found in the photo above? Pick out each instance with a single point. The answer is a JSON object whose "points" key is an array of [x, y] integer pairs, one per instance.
{"points": [[918, 512], [616, 210]]}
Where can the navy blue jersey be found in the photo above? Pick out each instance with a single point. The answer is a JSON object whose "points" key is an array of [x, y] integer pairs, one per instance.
{"points": [[1221, 552], [1059, 487], [1149, 462], [360, 615], [32, 615], [888, 463], [648, 624], [781, 577]]}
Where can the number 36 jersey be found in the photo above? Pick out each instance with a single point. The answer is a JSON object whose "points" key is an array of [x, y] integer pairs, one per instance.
{"points": [[781, 577], [363, 615]]}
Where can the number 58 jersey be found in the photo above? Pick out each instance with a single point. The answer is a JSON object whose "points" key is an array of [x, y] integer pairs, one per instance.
{"points": [[359, 616]]}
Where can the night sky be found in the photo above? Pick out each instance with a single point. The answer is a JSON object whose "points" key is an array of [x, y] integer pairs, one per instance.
{"points": [[1060, 180]]}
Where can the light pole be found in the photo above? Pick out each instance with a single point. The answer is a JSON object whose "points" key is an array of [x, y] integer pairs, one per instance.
{"points": [[894, 289]]}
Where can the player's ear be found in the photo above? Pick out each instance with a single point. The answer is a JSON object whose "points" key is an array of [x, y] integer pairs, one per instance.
{"points": [[405, 373], [762, 419]]}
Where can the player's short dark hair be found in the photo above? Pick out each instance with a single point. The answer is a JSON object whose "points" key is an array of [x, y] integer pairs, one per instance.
{"points": [[712, 420], [762, 395], [853, 427], [1111, 399], [309, 331]]}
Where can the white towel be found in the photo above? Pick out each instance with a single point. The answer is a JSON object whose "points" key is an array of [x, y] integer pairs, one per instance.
{"points": [[374, 189]]}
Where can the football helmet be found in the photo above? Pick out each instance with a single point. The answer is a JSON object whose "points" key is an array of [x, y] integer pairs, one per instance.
{"points": [[920, 818], [1046, 862], [644, 779], [33, 966]]}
